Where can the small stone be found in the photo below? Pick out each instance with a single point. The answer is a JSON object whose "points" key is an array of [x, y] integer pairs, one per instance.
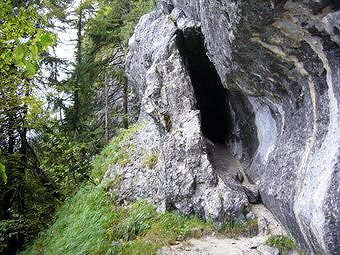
{"points": [[262, 224], [173, 242], [250, 216], [254, 244], [252, 193], [239, 177], [116, 243], [196, 233], [267, 250]]}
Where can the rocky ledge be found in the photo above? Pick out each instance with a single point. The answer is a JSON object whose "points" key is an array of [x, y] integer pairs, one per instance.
{"points": [[256, 81]]}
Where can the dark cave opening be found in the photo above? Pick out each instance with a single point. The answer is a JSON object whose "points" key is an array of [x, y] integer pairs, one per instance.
{"points": [[211, 96]]}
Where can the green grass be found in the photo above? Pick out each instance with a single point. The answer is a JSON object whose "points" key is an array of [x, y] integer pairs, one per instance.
{"points": [[247, 228], [283, 243], [142, 230], [79, 227], [89, 223], [116, 152]]}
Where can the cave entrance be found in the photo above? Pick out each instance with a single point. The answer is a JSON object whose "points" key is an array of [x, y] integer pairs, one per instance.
{"points": [[211, 96]]}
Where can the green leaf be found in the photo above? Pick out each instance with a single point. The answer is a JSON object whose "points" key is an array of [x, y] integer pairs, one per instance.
{"points": [[34, 52], [19, 54], [31, 69], [47, 39], [3, 175]]}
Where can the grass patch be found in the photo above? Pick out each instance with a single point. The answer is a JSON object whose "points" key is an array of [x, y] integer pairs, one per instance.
{"points": [[150, 160], [79, 227], [89, 223], [172, 19], [141, 230], [247, 228], [114, 153], [283, 243], [124, 156]]}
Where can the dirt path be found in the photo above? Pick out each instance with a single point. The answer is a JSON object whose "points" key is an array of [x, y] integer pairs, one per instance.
{"points": [[217, 245], [228, 167]]}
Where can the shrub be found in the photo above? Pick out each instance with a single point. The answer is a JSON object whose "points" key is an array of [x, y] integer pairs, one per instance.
{"points": [[283, 243]]}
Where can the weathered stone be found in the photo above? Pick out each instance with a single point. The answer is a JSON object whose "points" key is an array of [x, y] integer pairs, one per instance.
{"points": [[267, 250], [262, 224], [279, 60], [183, 178], [252, 192], [250, 216], [279, 64]]}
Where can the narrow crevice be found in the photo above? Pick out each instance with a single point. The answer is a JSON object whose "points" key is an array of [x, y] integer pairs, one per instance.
{"points": [[226, 118], [211, 96]]}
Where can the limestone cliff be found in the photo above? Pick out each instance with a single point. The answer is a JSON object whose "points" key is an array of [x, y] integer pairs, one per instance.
{"points": [[260, 78]]}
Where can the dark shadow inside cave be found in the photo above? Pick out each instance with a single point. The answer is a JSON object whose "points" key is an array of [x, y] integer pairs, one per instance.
{"points": [[227, 119], [212, 98]]}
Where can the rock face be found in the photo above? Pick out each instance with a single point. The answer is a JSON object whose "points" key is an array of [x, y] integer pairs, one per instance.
{"points": [[168, 155], [261, 77]]}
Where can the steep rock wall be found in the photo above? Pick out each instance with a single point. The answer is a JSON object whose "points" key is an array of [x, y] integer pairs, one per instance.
{"points": [[168, 160], [279, 64]]}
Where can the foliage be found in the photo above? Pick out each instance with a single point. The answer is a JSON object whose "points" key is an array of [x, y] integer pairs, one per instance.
{"points": [[138, 8], [283, 243], [89, 224], [3, 175], [22, 227], [26, 54], [25, 201], [21, 41], [45, 158], [67, 158], [79, 228], [99, 71]]}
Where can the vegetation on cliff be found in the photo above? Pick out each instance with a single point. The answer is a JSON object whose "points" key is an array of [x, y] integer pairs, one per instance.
{"points": [[57, 113], [92, 222]]}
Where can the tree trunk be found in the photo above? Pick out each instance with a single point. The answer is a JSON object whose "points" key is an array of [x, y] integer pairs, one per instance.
{"points": [[77, 106]]}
